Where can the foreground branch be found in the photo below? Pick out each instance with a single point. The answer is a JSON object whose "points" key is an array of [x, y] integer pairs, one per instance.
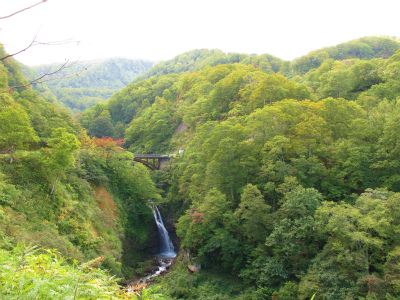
{"points": [[17, 12], [47, 77], [36, 43]]}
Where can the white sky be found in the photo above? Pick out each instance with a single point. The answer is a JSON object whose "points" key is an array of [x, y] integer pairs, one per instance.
{"points": [[162, 29]]}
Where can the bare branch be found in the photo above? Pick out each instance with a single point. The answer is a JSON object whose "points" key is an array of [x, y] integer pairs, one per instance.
{"points": [[36, 43], [10, 55], [17, 12], [47, 77]]}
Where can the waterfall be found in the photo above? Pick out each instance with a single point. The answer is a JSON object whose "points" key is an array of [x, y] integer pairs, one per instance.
{"points": [[166, 246]]}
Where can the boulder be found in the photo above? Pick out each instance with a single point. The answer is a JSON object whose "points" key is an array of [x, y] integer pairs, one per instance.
{"points": [[194, 268]]}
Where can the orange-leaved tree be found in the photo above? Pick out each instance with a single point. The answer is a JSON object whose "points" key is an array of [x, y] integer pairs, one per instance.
{"points": [[107, 146]]}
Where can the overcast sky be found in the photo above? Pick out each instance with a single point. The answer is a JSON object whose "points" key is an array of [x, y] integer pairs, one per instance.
{"points": [[160, 30]]}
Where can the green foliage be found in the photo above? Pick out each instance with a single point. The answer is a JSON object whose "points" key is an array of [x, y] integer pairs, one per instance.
{"points": [[243, 151], [363, 48], [253, 212], [15, 129], [262, 152], [75, 219], [288, 291], [360, 239], [60, 157], [8, 192], [102, 126], [28, 274], [181, 284], [198, 59], [151, 110]]}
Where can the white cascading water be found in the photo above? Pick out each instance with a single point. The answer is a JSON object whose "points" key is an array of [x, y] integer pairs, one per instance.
{"points": [[166, 246]]}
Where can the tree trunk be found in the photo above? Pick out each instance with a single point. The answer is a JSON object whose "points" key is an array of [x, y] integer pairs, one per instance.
{"points": [[54, 185], [11, 153]]}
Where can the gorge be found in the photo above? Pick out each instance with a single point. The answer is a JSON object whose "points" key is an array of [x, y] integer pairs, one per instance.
{"points": [[288, 187]]}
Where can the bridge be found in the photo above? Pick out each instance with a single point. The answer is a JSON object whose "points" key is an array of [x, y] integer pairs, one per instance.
{"points": [[152, 161]]}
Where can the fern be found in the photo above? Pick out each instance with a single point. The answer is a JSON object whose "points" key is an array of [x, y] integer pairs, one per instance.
{"points": [[25, 274]]}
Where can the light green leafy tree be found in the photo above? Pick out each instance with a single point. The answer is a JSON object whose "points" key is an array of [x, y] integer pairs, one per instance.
{"points": [[60, 157], [336, 83], [253, 213], [339, 115], [16, 130]]}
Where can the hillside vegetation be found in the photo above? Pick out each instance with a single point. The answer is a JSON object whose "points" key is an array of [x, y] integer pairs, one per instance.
{"points": [[291, 185], [69, 204], [288, 186]]}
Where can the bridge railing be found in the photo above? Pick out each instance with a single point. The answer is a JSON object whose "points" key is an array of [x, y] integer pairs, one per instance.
{"points": [[152, 155]]}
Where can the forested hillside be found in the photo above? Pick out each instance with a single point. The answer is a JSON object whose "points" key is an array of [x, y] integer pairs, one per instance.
{"points": [[365, 48], [196, 60], [80, 85], [288, 186], [289, 177], [69, 204]]}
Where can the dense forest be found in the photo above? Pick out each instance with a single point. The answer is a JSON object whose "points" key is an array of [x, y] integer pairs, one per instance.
{"points": [[288, 186]]}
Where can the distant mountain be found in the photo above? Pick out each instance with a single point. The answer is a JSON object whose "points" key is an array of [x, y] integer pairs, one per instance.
{"points": [[97, 80], [83, 84], [364, 48]]}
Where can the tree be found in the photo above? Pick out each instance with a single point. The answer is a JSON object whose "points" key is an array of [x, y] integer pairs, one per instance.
{"points": [[107, 146], [60, 157], [270, 89], [364, 74], [102, 125], [311, 131], [294, 240], [358, 230], [336, 83], [361, 254], [218, 219], [339, 115], [16, 130], [119, 131], [253, 213], [388, 150]]}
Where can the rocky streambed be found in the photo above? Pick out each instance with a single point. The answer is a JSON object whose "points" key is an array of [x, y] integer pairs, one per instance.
{"points": [[161, 266]]}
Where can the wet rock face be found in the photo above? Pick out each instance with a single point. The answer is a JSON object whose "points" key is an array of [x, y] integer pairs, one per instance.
{"points": [[170, 226], [152, 246]]}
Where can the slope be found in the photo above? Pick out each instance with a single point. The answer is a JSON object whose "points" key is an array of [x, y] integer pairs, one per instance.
{"points": [[60, 189]]}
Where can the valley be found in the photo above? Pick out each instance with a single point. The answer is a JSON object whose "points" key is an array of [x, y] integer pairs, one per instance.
{"points": [[284, 183]]}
